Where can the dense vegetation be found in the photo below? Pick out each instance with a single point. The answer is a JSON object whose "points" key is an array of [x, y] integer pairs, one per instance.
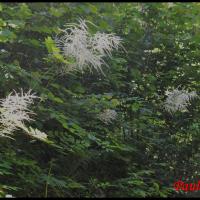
{"points": [[145, 149]]}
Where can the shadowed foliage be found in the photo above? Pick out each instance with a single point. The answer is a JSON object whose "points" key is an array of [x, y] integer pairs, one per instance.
{"points": [[142, 149]]}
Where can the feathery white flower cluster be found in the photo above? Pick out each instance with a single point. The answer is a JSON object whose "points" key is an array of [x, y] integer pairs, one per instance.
{"points": [[107, 116], [178, 100], [14, 112], [86, 49], [35, 133]]}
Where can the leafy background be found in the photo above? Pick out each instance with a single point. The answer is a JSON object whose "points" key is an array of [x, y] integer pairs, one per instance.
{"points": [[145, 150]]}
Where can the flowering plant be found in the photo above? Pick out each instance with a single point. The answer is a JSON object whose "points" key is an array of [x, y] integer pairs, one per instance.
{"points": [[85, 49], [14, 112], [178, 100]]}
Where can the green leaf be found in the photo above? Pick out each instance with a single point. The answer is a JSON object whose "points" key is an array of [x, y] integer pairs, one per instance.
{"points": [[115, 102], [52, 49], [2, 23], [54, 98], [24, 11], [7, 35], [135, 107]]}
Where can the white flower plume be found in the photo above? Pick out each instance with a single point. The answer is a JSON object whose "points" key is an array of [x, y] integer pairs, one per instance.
{"points": [[35, 133], [14, 112], [107, 116], [86, 49], [178, 100]]}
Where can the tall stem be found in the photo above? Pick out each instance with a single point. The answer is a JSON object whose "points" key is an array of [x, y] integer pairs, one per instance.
{"points": [[49, 173]]}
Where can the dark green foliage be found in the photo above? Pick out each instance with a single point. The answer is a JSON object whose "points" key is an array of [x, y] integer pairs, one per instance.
{"points": [[145, 150]]}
